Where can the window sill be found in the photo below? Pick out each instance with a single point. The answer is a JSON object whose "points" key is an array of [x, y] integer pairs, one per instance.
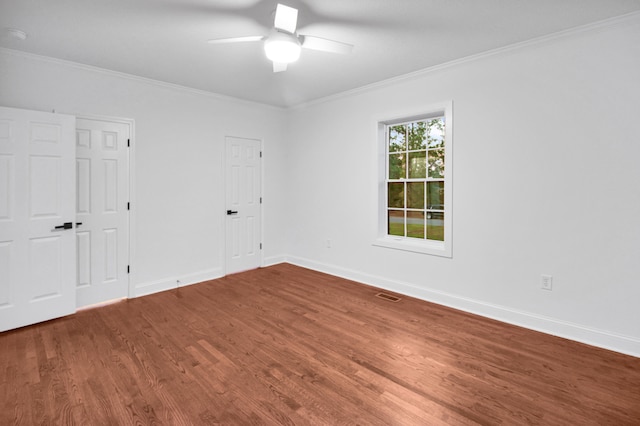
{"points": [[435, 248]]}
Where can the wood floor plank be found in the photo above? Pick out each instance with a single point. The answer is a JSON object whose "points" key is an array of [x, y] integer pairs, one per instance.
{"points": [[289, 346]]}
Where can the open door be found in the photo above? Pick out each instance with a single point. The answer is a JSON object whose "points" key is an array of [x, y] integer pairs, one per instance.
{"points": [[37, 217]]}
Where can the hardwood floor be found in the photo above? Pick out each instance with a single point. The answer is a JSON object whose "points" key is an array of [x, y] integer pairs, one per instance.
{"points": [[285, 345]]}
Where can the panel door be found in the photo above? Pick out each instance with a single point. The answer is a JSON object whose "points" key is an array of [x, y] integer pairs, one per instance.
{"points": [[243, 202], [102, 197], [37, 198]]}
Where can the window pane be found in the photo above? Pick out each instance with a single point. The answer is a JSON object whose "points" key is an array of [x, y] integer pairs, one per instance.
{"points": [[413, 182], [395, 193], [436, 163], [435, 195], [435, 226], [397, 166], [418, 165], [396, 223], [417, 136], [397, 138], [415, 195], [415, 224], [435, 133]]}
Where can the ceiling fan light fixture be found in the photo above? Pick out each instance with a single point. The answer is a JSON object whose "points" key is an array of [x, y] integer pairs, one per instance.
{"points": [[282, 48]]}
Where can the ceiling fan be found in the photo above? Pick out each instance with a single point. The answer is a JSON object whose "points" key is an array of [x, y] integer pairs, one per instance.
{"points": [[283, 44]]}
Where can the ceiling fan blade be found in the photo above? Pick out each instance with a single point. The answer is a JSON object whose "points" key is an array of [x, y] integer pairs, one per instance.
{"points": [[235, 39], [286, 18], [325, 45], [279, 66]]}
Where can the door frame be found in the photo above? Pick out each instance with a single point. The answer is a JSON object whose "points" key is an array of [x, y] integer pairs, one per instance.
{"points": [[223, 246], [132, 194]]}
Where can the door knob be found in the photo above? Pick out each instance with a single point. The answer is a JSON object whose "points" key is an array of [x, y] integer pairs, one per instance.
{"points": [[66, 225], [230, 212]]}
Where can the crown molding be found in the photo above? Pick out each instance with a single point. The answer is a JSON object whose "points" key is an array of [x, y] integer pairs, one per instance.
{"points": [[535, 42], [136, 78]]}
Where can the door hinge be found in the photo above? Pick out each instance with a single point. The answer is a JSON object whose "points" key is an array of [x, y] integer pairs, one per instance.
{"points": [[260, 154], [260, 246], [128, 269], [128, 206], [260, 200], [128, 142]]}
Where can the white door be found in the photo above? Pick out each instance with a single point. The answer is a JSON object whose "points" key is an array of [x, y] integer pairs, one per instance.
{"points": [[102, 197], [37, 198], [243, 203]]}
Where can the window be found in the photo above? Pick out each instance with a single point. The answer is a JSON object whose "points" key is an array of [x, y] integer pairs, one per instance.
{"points": [[414, 184]]}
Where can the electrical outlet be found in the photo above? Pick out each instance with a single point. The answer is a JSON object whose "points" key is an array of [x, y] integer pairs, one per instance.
{"points": [[546, 282], [328, 243]]}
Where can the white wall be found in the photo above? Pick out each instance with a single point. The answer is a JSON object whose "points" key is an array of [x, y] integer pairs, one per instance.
{"points": [[545, 181], [179, 146]]}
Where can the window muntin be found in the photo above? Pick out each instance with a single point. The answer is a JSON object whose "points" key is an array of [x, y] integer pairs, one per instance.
{"points": [[415, 179]]}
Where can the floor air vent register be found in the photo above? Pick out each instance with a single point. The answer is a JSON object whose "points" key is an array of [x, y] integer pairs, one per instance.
{"points": [[389, 297]]}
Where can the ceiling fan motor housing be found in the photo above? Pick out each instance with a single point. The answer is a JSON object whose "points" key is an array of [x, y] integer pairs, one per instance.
{"points": [[282, 47]]}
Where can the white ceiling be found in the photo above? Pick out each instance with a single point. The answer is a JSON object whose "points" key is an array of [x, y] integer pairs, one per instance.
{"points": [[166, 40]]}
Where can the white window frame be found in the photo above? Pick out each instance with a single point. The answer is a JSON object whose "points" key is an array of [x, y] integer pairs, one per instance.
{"points": [[425, 246]]}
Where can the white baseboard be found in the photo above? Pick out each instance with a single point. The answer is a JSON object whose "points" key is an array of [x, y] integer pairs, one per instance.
{"points": [[144, 289], [273, 260], [594, 337]]}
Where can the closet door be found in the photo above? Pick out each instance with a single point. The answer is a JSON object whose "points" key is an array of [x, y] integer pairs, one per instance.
{"points": [[37, 217], [102, 169]]}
